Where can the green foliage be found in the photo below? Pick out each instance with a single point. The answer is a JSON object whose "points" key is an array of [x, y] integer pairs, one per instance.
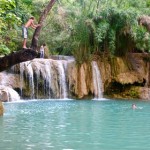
{"points": [[79, 27], [141, 37], [13, 13], [133, 93], [102, 30], [81, 44], [84, 27], [114, 28], [4, 49]]}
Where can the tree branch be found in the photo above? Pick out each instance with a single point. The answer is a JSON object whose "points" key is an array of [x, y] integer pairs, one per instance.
{"points": [[17, 57]]}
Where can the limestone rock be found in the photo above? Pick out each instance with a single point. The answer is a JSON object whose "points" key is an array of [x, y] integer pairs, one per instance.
{"points": [[1, 109], [144, 93], [9, 79], [47, 76]]}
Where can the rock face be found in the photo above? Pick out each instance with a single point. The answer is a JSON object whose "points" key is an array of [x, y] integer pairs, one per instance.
{"points": [[59, 79], [126, 74], [1, 109]]}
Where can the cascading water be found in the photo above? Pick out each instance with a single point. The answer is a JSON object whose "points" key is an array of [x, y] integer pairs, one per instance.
{"points": [[13, 95], [46, 77], [8, 94], [21, 77], [97, 81], [27, 68], [62, 79]]}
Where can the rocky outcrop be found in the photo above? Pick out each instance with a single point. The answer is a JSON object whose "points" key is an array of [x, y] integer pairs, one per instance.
{"points": [[1, 109], [80, 79], [144, 93], [119, 76], [126, 77]]}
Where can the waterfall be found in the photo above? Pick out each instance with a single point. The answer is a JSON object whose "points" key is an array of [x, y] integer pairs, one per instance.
{"points": [[21, 77], [38, 75], [7, 94], [13, 95], [62, 79], [26, 68], [46, 78], [97, 81], [30, 73]]}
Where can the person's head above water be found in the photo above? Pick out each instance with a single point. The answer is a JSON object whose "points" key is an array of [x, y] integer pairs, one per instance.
{"points": [[134, 106]]}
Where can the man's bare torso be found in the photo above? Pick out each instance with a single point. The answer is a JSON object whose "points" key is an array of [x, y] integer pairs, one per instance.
{"points": [[29, 23]]}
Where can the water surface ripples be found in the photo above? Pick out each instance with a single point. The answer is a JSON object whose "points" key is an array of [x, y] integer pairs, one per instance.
{"points": [[75, 125]]}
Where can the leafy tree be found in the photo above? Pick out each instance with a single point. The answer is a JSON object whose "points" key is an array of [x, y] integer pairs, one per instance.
{"points": [[12, 15], [79, 27]]}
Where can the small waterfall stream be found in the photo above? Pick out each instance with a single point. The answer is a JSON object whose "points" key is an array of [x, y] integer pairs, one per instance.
{"points": [[26, 68], [48, 79], [97, 81], [62, 79], [8, 94], [21, 77]]}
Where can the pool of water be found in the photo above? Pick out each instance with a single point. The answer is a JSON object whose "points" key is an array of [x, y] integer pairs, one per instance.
{"points": [[75, 125]]}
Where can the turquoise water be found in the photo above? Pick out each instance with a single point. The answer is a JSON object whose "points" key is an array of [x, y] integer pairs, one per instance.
{"points": [[75, 125]]}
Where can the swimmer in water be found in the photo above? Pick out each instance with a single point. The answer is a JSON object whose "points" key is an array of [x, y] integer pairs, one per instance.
{"points": [[134, 106]]}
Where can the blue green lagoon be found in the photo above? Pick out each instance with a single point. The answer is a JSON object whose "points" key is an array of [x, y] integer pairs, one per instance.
{"points": [[75, 125]]}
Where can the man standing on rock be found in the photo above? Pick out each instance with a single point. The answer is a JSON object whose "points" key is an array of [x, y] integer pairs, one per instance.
{"points": [[30, 23]]}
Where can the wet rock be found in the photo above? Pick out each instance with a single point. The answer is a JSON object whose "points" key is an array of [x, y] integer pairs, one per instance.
{"points": [[51, 78], [1, 108], [144, 93]]}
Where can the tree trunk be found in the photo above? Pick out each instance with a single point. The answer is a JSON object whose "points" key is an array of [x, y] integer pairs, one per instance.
{"points": [[34, 43], [15, 58]]}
